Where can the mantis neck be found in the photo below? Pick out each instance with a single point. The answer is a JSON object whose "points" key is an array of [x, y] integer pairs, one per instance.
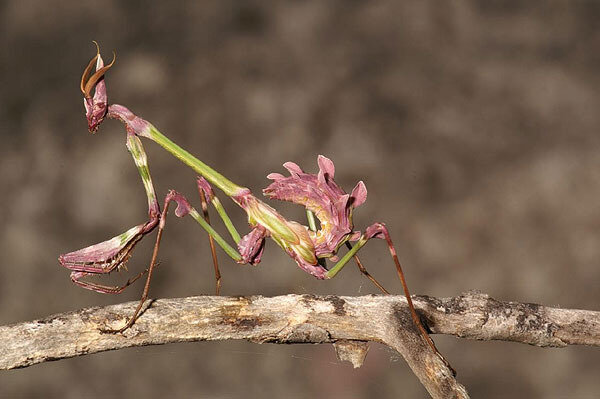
{"points": [[214, 177]]}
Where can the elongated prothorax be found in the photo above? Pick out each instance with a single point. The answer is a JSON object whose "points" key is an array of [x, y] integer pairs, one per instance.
{"points": [[214, 177]]}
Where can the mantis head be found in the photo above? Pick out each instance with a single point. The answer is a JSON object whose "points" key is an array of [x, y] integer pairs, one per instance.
{"points": [[96, 106]]}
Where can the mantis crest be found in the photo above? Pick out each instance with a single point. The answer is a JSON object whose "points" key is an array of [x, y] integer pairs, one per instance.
{"points": [[309, 246]]}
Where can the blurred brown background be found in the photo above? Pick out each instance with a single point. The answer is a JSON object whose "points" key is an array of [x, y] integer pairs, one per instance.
{"points": [[473, 124]]}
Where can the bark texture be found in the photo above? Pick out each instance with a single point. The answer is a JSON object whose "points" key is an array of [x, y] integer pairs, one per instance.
{"points": [[347, 322]]}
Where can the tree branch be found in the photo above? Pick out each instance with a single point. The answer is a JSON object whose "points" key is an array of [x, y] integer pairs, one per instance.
{"points": [[348, 322], [474, 315]]}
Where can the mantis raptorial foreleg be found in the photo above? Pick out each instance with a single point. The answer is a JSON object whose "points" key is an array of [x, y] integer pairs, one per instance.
{"points": [[114, 253]]}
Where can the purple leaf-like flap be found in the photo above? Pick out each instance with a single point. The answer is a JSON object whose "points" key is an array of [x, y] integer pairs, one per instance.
{"points": [[354, 236], [183, 206], [358, 195], [252, 245], [275, 176], [376, 230], [205, 187], [326, 168], [315, 269], [293, 168], [320, 194]]}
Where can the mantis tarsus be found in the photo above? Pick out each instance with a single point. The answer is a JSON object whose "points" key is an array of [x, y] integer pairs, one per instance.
{"points": [[310, 246]]}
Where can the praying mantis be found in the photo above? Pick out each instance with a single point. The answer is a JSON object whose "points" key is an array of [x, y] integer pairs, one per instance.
{"points": [[329, 211]]}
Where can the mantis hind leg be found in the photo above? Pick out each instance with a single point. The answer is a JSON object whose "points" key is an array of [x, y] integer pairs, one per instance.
{"points": [[364, 271], [378, 230]]}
